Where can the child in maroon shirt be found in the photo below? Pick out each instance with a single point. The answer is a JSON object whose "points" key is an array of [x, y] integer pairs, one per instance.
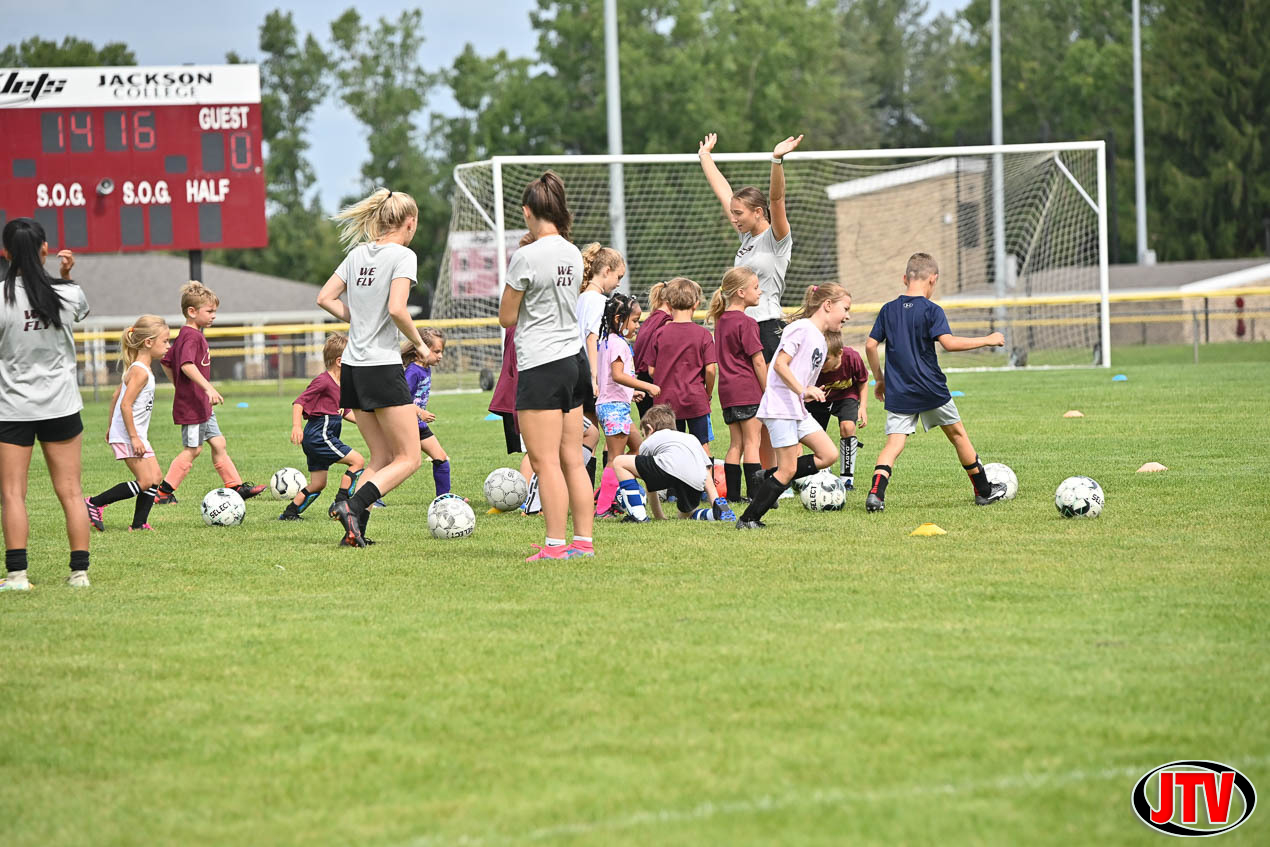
{"points": [[644, 340], [843, 379], [742, 376], [188, 363], [682, 361]]}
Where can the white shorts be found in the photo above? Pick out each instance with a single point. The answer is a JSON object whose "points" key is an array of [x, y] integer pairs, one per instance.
{"points": [[786, 432], [899, 423]]}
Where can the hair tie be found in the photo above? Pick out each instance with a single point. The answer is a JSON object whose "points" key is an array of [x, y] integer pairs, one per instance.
{"points": [[815, 288]]}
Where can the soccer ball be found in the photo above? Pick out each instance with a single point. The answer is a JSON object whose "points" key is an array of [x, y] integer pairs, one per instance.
{"points": [[997, 473], [223, 507], [1079, 497], [823, 493], [506, 489], [450, 517], [286, 483]]}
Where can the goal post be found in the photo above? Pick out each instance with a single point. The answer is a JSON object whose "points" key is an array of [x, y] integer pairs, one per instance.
{"points": [[856, 216]]}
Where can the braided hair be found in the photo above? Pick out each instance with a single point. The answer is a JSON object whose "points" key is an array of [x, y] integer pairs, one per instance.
{"points": [[616, 313]]}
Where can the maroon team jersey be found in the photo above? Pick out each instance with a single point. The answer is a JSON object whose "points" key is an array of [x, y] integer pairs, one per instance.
{"points": [[736, 341], [644, 339], [504, 399], [322, 397], [847, 380], [679, 355], [189, 403]]}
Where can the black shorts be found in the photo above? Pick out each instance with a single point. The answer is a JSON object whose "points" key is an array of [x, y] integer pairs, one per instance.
{"points": [[588, 399], [845, 409], [562, 384], [736, 414], [371, 387], [687, 498], [646, 403], [769, 334], [698, 428], [24, 433]]}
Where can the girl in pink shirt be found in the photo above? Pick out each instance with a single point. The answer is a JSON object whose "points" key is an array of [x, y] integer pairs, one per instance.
{"points": [[618, 385]]}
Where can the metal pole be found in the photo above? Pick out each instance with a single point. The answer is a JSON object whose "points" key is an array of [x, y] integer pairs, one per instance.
{"points": [[613, 101], [196, 265], [998, 181], [1104, 278], [1195, 335], [1139, 144]]}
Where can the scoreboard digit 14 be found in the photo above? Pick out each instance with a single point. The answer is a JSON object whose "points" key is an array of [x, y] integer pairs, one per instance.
{"points": [[134, 158]]}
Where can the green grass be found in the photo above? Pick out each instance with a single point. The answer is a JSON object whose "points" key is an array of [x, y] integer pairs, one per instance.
{"points": [[830, 680]]}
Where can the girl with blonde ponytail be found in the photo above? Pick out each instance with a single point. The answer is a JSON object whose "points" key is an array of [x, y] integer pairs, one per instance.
{"points": [[140, 346], [742, 376], [643, 347], [602, 272]]}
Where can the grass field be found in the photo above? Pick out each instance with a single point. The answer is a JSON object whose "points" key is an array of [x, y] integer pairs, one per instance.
{"points": [[830, 680]]}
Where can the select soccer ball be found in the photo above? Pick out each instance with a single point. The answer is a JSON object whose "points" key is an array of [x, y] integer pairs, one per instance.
{"points": [[286, 483], [506, 489], [1079, 497], [223, 507], [450, 517], [998, 473], [823, 493]]}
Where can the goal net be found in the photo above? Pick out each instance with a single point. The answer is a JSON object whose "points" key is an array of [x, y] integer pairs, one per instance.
{"points": [[856, 216]]}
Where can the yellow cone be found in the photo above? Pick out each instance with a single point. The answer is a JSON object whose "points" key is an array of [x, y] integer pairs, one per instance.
{"points": [[493, 511], [1074, 413], [1152, 467], [928, 529]]}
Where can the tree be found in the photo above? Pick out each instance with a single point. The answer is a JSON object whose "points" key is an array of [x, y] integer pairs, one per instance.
{"points": [[35, 52]]}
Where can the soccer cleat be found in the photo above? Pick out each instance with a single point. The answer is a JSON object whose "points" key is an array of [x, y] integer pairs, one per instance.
{"points": [[95, 515], [289, 515], [15, 584], [78, 579], [575, 551], [353, 532], [722, 511], [164, 498], [997, 492], [787, 494], [143, 527], [847, 483], [379, 504], [553, 553], [750, 525], [246, 490], [633, 519], [874, 503]]}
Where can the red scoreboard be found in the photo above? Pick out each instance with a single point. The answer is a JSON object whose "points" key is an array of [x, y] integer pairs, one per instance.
{"points": [[134, 158]]}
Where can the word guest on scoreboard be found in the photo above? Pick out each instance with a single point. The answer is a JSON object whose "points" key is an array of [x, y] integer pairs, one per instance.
{"points": [[134, 158]]}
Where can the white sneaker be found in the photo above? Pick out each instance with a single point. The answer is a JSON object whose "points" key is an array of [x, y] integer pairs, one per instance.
{"points": [[787, 494], [78, 579], [15, 583]]}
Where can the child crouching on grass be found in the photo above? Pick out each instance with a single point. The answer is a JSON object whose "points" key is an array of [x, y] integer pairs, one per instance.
{"points": [[419, 381], [318, 406], [672, 460]]}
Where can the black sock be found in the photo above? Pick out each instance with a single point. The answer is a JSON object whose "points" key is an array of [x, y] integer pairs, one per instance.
{"points": [[590, 469], [367, 494], [122, 491], [806, 466], [749, 468], [15, 559], [978, 478], [362, 520], [165, 488], [604, 460], [732, 481], [141, 512], [766, 497], [880, 480], [79, 560]]}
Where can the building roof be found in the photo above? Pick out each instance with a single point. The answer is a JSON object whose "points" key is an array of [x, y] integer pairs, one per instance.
{"points": [[902, 176], [1176, 274]]}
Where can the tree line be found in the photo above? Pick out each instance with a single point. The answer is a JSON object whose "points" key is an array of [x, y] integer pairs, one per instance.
{"points": [[848, 74]]}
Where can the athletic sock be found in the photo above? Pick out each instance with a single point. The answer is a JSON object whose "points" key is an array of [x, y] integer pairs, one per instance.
{"points": [[224, 466], [590, 468], [880, 480], [584, 543], [122, 491], [553, 542], [309, 497], [732, 481], [367, 494], [15, 559], [749, 469], [79, 560], [978, 478], [533, 502], [766, 497], [363, 520], [441, 476], [141, 512], [632, 498], [806, 466], [165, 488], [706, 514]]}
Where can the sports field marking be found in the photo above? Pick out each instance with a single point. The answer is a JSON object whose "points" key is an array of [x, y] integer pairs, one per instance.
{"points": [[818, 797]]}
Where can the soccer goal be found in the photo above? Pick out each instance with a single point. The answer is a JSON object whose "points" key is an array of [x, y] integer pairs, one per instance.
{"points": [[1019, 232]]}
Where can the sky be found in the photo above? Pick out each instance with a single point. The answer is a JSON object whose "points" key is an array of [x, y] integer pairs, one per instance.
{"points": [[159, 34]]}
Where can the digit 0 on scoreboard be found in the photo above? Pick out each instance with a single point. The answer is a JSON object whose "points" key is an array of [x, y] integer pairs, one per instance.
{"points": [[134, 158]]}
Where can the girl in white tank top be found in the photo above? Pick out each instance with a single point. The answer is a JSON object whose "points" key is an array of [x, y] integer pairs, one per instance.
{"points": [[140, 346]]}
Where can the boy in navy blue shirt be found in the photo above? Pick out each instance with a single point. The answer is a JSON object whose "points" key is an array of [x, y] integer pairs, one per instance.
{"points": [[913, 386]]}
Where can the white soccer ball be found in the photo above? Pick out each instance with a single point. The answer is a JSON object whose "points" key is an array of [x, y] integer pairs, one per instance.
{"points": [[450, 517], [998, 473], [823, 492], [1079, 497], [286, 483], [223, 507], [505, 489]]}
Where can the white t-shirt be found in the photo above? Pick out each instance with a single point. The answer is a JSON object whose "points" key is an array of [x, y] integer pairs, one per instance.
{"points": [[769, 259], [38, 378], [590, 308], [141, 409], [368, 271], [807, 346], [549, 271], [678, 454]]}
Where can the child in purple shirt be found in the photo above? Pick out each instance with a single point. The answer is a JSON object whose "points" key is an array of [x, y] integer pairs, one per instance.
{"points": [[419, 382]]}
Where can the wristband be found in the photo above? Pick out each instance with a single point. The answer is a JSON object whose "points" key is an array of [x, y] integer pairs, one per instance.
{"points": [[776, 161]]}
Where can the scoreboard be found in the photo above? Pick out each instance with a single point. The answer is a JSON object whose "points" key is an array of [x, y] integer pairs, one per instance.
{"points": [[134, 158]]}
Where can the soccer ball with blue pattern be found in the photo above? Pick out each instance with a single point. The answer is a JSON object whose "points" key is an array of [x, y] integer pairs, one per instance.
{"points": [[1079, 497], [506, 490], [450, 517], [286, 483], [223, 507]]}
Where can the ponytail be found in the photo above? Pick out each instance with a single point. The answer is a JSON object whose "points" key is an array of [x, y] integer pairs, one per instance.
{"points": [[134, 338], [657, 296], [546, 200], [733, 281], [373, 217], [815, 297], [596, 258], [23, 238]]}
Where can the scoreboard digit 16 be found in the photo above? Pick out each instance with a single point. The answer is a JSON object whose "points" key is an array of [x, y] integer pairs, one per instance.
{"points": [[134, 158]]}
